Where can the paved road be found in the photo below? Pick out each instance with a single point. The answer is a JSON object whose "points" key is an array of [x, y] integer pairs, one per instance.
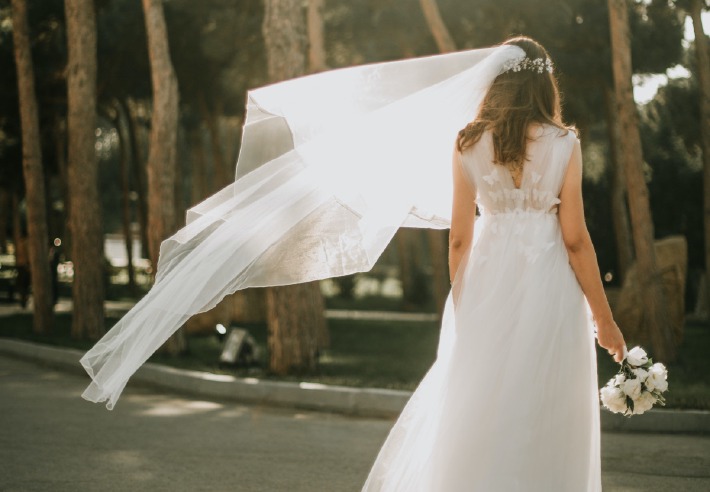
{"points": [[52, 440]]}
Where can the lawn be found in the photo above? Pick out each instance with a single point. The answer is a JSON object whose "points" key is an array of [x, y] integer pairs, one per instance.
{"points": [[388, 355]]}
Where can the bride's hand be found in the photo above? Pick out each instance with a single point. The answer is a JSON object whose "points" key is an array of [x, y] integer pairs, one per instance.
{"points": [[609, 337]]}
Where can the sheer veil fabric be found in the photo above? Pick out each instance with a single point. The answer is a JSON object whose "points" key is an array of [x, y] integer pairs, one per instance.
{"points": [[330, 166]]}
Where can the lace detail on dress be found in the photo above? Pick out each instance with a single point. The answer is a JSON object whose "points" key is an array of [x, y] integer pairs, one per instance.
{"points": [[519, 216], [510, 200]]}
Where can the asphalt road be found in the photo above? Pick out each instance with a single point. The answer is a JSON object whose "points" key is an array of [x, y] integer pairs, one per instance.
{"points": [[52, 440]]}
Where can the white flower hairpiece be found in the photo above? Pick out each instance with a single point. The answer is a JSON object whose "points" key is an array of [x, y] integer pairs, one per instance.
{"points": [[537, 65]]}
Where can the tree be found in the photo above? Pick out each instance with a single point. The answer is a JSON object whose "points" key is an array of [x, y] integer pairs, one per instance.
{"points": [[437, 239], [33, 172], [617, 185], [316, 41], [125, 160], [438, 29], [702, 55], [294, 313], [84, 212], [653, 297], [163, 143]]}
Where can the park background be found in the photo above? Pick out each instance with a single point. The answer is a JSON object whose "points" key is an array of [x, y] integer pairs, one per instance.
{"points": [[116, 116]]}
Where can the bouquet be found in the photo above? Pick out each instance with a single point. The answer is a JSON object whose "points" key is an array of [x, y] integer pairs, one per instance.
{"points": [[638, 385]]}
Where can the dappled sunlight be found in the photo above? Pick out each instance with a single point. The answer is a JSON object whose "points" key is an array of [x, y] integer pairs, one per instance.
{"points": [[234, 412], [312, 386], [131, 462], [52, 376], [179, 407], [223, 378]]}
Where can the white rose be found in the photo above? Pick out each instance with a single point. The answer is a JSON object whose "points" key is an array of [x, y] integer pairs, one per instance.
{"points": [[613, 398], [632, 388], [619, 379], [641, 374], [657, 377], [643, 403], [637, 356]]}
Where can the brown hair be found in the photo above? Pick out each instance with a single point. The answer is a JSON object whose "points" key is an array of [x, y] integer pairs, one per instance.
{"points": [[514, 101]]}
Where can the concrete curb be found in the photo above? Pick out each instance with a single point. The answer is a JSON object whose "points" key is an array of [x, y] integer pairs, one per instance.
{"points": [[366, 402], [371, 402]]}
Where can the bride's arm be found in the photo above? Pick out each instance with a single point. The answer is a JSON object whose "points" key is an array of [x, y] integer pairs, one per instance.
{"points": [[463, 215], [583, 258]]}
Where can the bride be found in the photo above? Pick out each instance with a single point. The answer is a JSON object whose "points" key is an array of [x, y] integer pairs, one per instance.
{"points": [[512, 402], [330, 166]]}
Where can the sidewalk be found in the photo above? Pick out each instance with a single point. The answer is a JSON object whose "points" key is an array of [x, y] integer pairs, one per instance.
{"points": [[363, 402]]}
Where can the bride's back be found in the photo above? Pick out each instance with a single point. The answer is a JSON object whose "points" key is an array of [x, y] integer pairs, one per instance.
{"points": [[538, 188]]}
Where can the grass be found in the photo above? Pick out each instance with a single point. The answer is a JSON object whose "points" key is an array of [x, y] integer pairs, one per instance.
{"points": [[378, 303], [387, 355], [362, 353]]}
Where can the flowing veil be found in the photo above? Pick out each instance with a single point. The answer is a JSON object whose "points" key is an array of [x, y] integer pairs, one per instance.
{"points": [[330, 166]]}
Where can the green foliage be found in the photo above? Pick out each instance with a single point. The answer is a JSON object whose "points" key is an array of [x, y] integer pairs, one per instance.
{"points": [[669, 132], [123, 66]]}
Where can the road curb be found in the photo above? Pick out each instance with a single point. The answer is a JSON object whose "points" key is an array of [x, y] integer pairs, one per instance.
{"points": [[365, 402]]}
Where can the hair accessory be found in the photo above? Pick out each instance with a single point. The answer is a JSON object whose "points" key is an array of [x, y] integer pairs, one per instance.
{"points": [[538, 65]]}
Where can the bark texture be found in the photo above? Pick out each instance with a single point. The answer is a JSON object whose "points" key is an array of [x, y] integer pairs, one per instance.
{"points": [[294, 313], [211, 117], [125, 161], [38, 250], [139, 176], [444, 41], [5, 208], [702, 58], [316, 40], [163, 144], [654, 302], [619, 209], [84, 211]]}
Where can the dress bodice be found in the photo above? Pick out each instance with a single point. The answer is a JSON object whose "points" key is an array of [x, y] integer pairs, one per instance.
{"points": [[548, 153]]}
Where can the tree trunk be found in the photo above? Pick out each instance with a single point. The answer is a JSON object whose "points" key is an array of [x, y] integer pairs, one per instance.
{"points": [[180, 206], [60, 145], [438, 248], [198, 179], [163, 142], [139, 178], [403, 239], [702, 58], [411, 243], [84, 211], [125, 159], [653, 296], [316, 41], [38, 249], [5, 207], [294, 313], [444, 42], [438, 240], [619, 209], [211, 118]]}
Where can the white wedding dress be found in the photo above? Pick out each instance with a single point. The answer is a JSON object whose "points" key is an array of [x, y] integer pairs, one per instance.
{"points": [[511, 403], [330, 166]]}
